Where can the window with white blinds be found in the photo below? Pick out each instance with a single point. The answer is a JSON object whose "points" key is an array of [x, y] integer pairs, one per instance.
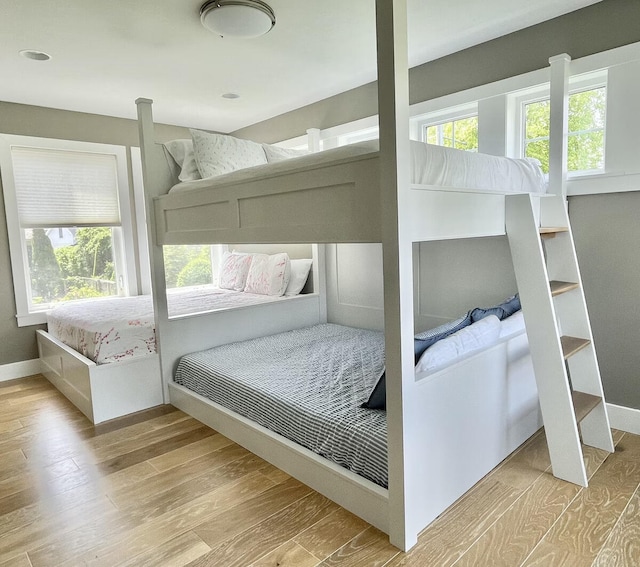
{"points": [[65, 188], [69, 222]]}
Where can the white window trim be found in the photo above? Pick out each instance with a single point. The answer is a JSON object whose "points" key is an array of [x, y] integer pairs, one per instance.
{"points": [[578, 83], [419, 124], [123, 239]]}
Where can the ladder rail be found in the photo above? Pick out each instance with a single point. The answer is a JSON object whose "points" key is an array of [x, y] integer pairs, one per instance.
{"points": [[544, 340]]}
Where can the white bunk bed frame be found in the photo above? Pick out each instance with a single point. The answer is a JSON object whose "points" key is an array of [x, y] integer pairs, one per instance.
{"points": [[487, 402]]}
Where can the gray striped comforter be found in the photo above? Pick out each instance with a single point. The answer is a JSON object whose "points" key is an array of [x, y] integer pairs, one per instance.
{"points": [[306, 385]]}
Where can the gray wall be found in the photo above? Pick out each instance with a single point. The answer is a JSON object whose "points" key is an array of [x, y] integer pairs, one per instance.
{"points": [[607, 233], [18, 343]]}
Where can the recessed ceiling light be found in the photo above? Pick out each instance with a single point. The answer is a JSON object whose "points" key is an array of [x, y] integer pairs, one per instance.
{"points": [[231, 95], [35, 55]]}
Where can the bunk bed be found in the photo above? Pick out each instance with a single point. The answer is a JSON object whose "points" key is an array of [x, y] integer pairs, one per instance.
{"points": [[101, 353], [447, 426]]}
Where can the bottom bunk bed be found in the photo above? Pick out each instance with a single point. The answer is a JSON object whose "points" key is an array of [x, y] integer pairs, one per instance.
{"points": [[101, 353], [295, 399]]}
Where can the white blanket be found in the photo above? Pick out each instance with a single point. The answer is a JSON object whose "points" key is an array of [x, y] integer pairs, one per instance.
{"points": [[430, 165]]}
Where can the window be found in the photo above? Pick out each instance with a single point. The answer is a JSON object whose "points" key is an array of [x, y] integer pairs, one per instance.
{"points": [[68, 222], [585, 145], [461, 134], [189, 265]]}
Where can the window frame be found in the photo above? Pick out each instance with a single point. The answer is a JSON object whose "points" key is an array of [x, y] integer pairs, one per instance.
{"points": [[539, 93], [420, 123], [123, 236]]}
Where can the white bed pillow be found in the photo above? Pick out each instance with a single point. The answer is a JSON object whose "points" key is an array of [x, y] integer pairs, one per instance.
{"points": [[217, 154], [466, 340], [234, 269], [268, 274], [182, 153], [299, 274], [276, 153]]}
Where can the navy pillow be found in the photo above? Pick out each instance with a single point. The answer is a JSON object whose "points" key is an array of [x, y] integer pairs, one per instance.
{"points": [[424, 340], [378, 397], [503, 310]]}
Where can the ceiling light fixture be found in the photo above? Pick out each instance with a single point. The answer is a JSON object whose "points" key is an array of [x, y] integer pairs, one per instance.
{"points": [[35, 55], [237, 18]]}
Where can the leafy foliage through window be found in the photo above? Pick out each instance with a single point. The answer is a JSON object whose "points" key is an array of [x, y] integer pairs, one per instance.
{"points": [[70, 263], [461, 134], [187, 265], [585, 149]]}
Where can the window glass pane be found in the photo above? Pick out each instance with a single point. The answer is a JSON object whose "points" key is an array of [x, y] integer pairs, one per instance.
{"points": [[466, 134], [587, 110], [432, 135], [187, 265], [460, 134], [585, 149], [69, 263]]}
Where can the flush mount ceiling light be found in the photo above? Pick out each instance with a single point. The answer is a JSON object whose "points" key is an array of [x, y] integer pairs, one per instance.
{"points": [[35, 55], [237, 18]]}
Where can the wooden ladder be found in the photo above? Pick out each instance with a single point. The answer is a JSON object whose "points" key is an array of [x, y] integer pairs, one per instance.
{"points": [[559, 332]]}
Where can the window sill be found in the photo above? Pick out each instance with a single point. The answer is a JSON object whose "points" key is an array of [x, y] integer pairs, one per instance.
{"points": [[38, 318], [606, 182]]}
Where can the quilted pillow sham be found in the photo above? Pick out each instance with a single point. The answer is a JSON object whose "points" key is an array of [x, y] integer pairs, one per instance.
{"points": [[276, 153], [182, 153], [268, 274], [234, 269], [217, 154]]}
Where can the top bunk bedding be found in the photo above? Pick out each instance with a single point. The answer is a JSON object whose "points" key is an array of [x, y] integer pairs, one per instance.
{"points": [[430, 165]]}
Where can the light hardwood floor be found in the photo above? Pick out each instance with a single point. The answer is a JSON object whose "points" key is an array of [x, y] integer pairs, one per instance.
{"points": [[159, 488]]}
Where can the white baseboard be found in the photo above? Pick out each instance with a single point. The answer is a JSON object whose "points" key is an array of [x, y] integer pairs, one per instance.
{"points": [[624, 419], [20, 369]]}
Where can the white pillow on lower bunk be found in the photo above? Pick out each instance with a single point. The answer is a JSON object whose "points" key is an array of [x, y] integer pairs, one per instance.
{"points": [[299, 274], [467, 340], [217, 154], [268, 274], [234, 269]]}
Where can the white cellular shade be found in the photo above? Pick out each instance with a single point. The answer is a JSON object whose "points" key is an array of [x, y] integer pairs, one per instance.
{"points": [[65, 188]]}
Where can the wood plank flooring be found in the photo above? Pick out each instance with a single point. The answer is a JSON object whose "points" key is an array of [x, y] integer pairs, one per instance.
{"points": [[160, 489]]}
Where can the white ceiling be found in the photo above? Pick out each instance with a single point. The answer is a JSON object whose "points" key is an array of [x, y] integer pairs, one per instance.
{"points": [[106, 54]]}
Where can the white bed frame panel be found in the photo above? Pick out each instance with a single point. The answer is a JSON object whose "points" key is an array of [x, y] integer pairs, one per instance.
{"points": [[474, 414], [101, 391]]}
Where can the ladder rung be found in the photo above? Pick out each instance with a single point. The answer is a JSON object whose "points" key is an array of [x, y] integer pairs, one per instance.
{"points": [[583, 404], [571, 345], [558, 287], [551, 231]]}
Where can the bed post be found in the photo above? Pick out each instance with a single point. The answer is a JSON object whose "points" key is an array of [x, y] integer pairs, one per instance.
{"points": [[552, 208], [153, 187], [313, 139], [393, 109]]}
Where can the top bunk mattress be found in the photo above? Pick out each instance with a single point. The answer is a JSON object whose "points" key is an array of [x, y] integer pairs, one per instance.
{"points": [[430, 165], [112, 329]]}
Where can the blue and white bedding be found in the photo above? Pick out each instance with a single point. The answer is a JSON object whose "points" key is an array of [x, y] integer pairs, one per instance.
{"points": [[306, 385], [309, 385]]}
